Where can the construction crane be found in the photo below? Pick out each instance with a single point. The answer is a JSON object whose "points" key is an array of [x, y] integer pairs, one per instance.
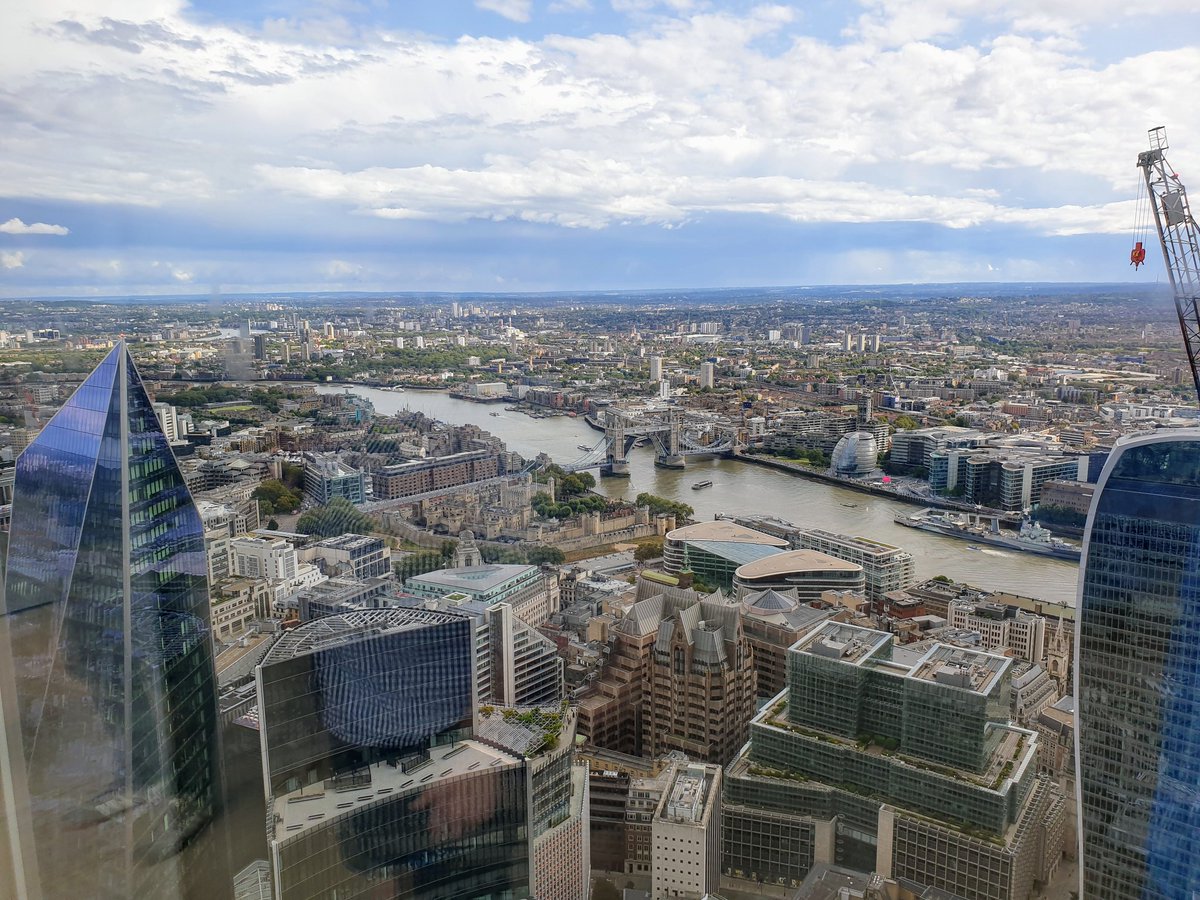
{"points": [[1179, 239]]}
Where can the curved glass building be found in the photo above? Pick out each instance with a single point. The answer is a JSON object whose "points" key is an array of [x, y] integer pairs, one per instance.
{"points": [[110, 758], [1137, 671], [855, 455]]}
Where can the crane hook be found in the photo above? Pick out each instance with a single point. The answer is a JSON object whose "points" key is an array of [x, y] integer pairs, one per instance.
{"points": [[1137, 255]]}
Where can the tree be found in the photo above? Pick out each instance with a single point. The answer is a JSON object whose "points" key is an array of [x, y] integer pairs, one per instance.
{"points": [[277, 497], [339, 516], [546, 555], [906, 423], [663, 505], [648, 550], [293, 476], [272, 525]]}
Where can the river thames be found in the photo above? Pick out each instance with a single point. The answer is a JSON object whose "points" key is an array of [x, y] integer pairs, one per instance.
{"points": [[745, 488]]}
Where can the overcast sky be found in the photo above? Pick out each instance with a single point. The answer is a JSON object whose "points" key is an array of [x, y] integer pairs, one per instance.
{"points": [[158, 146]]}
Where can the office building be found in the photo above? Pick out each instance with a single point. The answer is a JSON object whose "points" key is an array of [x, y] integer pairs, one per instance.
{"points": [[679, 676], [894, 762], [351, 556], [382, 779], [885, 568], [326, 477], [254, 557], [914, 449], [808, 572], [110, 756], [1001, 479], [516, 665], [532, 593], [686, 834], [1137, 659], [773, 621], [712, 551], [1003, 629], [436, 473]]}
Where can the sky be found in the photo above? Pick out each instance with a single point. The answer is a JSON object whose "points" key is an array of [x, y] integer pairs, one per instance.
{"points": [[159, 146]]}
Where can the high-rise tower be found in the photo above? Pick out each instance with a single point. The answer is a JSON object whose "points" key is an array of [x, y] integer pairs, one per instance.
{"points": [[109, 762], [1137, 670]]}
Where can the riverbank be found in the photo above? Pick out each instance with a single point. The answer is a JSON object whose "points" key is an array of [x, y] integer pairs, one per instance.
{"points": [[763, 490], [866, 488]]}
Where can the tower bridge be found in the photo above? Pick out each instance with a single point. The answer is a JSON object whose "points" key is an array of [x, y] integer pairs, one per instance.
{"points": [[675, 433]]}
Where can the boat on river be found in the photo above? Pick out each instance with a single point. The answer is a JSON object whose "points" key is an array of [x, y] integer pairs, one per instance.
{"points": [[700, 485], [983, 529]]}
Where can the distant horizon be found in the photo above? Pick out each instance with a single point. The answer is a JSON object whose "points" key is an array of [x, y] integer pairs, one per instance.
{"points": [[222, 296]]}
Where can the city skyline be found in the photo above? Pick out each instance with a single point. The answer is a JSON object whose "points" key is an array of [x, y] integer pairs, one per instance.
{"points": [[578, 144]]}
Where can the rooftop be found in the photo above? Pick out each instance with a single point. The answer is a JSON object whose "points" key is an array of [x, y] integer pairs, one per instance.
{"points": [[795, 562], [687, 797], [329, 631], [726, 531], [845, 643], [316, 805], [959, 667], [473, 579], [736, 551]]}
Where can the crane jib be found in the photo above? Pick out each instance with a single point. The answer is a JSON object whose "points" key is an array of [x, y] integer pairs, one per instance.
{"points": [[1179, 240]]}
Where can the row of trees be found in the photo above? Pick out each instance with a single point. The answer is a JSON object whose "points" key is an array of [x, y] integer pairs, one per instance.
{"points": [[658, 505], [548, 509]]}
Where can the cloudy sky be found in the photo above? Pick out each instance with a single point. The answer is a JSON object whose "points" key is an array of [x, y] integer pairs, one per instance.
{"points": [[156, 146]]}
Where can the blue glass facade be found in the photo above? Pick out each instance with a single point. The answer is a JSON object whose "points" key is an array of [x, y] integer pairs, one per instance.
{"points": [[344, 692], [1138, 674], [372, 788], [111, 712]]}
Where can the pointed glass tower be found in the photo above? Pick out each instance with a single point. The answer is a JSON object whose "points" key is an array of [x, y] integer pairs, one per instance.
{"points": [[111, 765]]}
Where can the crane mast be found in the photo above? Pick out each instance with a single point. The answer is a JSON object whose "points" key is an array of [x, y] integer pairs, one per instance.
{"points": [[1180, 242]]}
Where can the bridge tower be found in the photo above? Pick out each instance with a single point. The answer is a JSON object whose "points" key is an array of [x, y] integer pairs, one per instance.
{"points": [[670, 456], [618, 465]]}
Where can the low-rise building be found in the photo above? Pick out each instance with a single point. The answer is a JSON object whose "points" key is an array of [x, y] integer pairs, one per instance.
{"points": [[686, 834], [713, 551], [1001, 628], [350, 555], [807, 572]]}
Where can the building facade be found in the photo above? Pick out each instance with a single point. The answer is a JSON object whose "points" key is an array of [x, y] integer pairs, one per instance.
{"points": [[326, 477], [885, 568], [686, 834], [112, 761], [903, 766], [808, 572], [1137, 659], [383, 779]]}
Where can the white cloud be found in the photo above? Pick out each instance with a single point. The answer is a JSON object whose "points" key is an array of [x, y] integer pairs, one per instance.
{"points": [[13, 260], [516, 10], [16, 226], [182, 276], [696, 111], [569, 6], [339, 268]]}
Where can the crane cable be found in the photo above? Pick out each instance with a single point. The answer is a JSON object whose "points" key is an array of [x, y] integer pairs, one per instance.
{"points": [[1141, 223]]}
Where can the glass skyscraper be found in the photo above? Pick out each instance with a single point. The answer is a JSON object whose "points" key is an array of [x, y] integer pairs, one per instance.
{"points": [[1137, 670], [110, 763], [374, 787]]}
